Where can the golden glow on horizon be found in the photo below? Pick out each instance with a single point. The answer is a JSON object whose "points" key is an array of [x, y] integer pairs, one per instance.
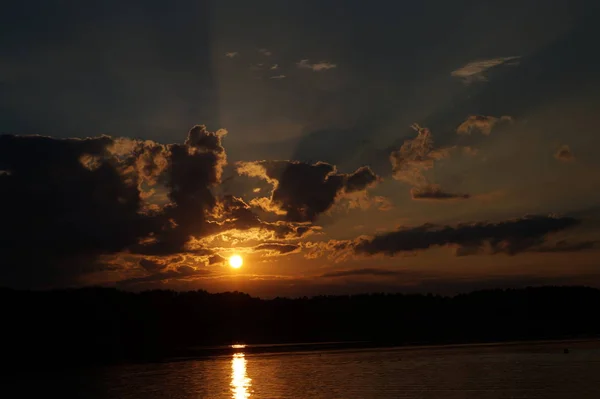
{"points": [[240, 383], [236, 261]]}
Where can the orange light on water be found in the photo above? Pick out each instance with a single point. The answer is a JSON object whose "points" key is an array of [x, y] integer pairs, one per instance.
{"points": [[240, 383]]}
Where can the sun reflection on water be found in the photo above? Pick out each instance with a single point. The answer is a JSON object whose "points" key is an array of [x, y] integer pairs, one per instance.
{"points": [[240, 383]]}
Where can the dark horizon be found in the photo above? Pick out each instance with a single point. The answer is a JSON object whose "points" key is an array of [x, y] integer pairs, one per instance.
{"points": [[88, 326]]}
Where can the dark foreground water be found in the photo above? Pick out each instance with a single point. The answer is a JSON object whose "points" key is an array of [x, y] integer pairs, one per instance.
{"points": [[490, 371]]}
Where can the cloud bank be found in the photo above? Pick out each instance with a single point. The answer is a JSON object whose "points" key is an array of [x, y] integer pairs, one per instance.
{"points": [[509, 237], [67, 204]]}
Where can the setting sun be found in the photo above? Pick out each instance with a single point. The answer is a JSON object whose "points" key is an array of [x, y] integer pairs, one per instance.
{"points": [[236, 261]]}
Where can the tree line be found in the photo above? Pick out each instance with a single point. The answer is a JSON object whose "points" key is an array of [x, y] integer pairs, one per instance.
{"points": [[105, 325]]}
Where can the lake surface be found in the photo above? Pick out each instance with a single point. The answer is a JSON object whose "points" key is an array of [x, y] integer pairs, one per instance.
{"points": [[539, 370]]}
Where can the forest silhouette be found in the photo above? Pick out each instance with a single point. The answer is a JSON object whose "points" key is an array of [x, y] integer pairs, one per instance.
{"points": [[103, 325]]}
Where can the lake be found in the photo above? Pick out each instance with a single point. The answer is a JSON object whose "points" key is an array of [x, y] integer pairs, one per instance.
{"points": [[533, 370]]}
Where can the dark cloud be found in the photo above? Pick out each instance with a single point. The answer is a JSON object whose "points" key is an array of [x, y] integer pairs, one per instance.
{"points": [[66, 202], [302, 191], [564, 154], [151, 265], [195, 167], [58, 207], [360, 180], [510, 237], [277, 248], [216, 259], [363, 272], [434, 192]]}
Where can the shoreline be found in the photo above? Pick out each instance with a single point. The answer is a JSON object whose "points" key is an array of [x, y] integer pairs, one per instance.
{"points": [[203, 353]]}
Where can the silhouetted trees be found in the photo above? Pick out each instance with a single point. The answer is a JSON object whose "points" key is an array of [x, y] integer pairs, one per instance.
{"points": [[92, 325]]}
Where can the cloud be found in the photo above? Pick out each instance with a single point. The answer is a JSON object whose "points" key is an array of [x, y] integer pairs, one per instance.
{"points": [[475, 71], [362, 200], [265, 52], [335, 250], [277, 77], [275, 66], [319, 66], [94, 198], [383, 203], [413, 158], [302, 190], [481, 123], [232, 54], [79, 210], [277, 248], [152, 266], [194, 168], [362, 272], [236, 223], [510, 237], [564, 154], [434, 192]]}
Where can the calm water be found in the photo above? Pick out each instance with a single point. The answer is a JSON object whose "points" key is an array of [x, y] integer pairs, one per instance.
{"points": [[500, 371]]}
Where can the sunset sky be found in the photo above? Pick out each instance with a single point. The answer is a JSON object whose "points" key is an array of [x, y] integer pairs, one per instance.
{"points": [[336, 146]]}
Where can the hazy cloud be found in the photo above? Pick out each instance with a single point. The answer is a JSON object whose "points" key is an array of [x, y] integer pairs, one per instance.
{"points": [[363, 272], [232, 54], [278, 77], [265, 52], [413, 158], [475, 71], [568, 246], [564, 154], [481, 124], [319, 66], [335, 250]]}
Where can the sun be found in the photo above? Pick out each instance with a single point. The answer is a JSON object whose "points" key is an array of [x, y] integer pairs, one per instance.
{"points": [[236, 261]]}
